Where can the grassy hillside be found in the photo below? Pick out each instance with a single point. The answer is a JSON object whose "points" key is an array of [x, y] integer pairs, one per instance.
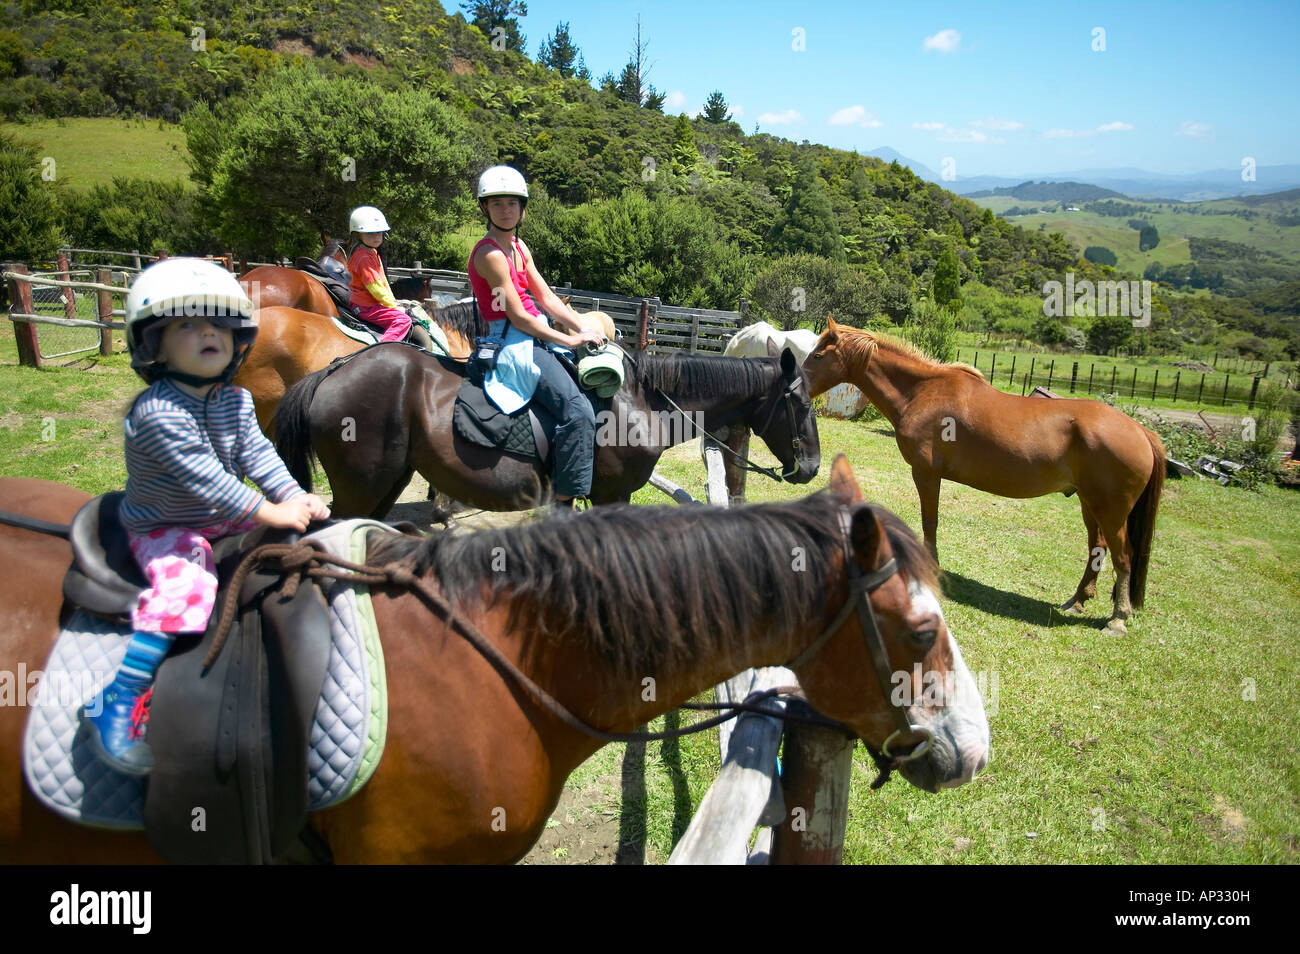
{"points": [[92, 151], [1261, 223]]}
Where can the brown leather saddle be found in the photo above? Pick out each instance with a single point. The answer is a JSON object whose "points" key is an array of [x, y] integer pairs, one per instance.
{"points": [[229, 783]]}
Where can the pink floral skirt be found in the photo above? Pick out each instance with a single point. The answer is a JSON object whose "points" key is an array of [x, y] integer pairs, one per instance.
{"points": [[182, 575]]}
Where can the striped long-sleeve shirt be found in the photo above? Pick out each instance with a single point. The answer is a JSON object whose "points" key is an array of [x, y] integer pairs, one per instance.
{"points": [[186, 460]]}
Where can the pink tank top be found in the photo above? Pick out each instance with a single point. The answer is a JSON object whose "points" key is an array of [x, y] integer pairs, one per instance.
{"points": [[483, 292]]}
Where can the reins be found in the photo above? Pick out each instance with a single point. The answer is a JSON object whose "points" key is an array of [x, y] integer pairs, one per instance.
{"points": [[306, 559], [34, 524]]}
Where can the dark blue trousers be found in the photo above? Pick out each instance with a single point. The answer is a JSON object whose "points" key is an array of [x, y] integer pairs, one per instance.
{"points": [[575, 432]]}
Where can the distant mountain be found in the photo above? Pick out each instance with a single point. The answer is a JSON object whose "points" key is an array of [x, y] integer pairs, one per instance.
{"points": [[1124, 181], [921, 169], [1051, 192], [1140, 183]]}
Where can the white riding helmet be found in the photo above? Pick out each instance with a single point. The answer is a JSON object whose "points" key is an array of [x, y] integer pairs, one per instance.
{"points": [[367, 218], [502, 180], [184, 288]]}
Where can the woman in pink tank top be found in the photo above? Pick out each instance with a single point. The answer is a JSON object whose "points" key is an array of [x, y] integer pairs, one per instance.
{"points": [[516, 301]]}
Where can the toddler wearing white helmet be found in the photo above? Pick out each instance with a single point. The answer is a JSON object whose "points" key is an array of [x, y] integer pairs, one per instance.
{"points": [[191, 439]]}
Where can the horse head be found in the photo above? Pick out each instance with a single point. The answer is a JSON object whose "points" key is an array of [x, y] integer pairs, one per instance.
{"points": [[827, 364], [928, 718], [785, 420]]}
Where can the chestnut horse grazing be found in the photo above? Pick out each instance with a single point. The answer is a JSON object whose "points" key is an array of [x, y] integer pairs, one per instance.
{"points": [[951, 424], [590, 607]]}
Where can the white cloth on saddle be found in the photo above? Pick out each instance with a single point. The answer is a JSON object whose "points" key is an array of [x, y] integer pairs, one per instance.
{"points": [[348, 727]]}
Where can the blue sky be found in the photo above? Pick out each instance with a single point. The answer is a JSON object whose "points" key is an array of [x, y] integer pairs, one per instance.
{"points": [[998, 88]]}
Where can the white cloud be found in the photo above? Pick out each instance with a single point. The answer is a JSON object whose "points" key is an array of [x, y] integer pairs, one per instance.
{"points": [[967, 135], [1195, 130], [945, 41], [932, 127], [674, 101], [780, 119], [855, 116], [998, 125], [1085, 133], [736, 111]]}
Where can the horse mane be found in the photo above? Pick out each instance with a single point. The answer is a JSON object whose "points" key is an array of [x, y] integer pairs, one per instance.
{"points": [[644, 586], [859, 342], [703, 376], [463, 317]]}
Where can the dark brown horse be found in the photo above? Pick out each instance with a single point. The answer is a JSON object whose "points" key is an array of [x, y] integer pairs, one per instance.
{"points": [[292, 343], [951, 424], [592, 606], [378, 417]]}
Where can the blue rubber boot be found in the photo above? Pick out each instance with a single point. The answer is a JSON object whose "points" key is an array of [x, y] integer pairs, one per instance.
{"points": [[114, 723]]}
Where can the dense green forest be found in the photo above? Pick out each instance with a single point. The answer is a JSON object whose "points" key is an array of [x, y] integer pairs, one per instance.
{"points": [[294, 114]]}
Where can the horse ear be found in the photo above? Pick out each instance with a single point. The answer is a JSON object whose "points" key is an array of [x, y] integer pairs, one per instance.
{"points": [[830, 323], [843, 484], [868, 537], [773, 349], [789, 363]]}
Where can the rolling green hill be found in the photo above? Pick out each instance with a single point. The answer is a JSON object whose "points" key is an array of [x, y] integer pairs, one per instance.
{"points": [[91, 151]]}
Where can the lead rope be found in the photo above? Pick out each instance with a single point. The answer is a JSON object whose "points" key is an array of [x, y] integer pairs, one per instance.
{"points": [[296, 561]]}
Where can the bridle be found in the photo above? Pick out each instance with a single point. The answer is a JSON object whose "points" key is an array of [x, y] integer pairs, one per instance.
{"points": [[787, 400], [861, 586]]}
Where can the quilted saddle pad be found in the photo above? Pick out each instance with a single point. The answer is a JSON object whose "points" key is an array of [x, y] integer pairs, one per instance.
{"points": [[347, 733]]}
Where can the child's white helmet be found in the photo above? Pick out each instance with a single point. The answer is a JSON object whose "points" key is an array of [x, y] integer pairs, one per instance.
{"points": [[367, 218], [184, 288]]}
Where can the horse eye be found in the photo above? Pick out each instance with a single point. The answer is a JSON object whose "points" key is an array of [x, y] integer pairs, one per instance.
{"points": [[925, 638]]}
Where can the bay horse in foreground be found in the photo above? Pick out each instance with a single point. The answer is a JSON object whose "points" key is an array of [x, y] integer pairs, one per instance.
{"points": [[592, 605], [377, 418], [952, 424]]}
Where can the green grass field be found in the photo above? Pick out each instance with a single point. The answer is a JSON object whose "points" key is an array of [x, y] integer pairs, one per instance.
{"points": [[89, 152], [1175, 744]]}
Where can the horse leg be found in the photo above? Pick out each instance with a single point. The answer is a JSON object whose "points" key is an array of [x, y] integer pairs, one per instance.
{"points": [[1115, 532], [1087, 588], [927, 488]]}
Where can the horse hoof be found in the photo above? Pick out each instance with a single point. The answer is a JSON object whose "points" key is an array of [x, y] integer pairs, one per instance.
{"points": [[1116, 627], [1072, 608]]}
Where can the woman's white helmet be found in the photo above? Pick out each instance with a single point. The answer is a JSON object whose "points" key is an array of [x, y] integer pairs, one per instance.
{"points": [[502, 180], [367, 218], [184, 288]]}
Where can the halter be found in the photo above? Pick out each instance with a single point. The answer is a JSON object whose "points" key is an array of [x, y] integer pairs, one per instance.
{"points": [[859, 598]]}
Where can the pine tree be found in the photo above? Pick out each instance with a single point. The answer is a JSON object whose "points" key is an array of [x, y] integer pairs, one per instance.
{"points": [[715, 109], [807, 222], [487, 15], [685, 153], [559, 52], [947, 277]]}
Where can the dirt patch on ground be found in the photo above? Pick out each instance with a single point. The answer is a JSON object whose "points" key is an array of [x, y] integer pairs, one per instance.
{"points": [[582, 831], [461, 66], [367, 61], [293, 45]]}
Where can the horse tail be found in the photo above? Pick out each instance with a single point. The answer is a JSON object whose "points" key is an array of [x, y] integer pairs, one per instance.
{"points": [[292, 427], [1142, 521]]}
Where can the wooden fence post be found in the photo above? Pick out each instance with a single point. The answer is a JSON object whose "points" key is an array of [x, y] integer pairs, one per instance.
{"points": [[816, 769], [993, 367], [1201, 389], [105, 298], [1224, 402], [1132, 388], [1091, 368], [1114, 369], [1254, 389], [1177, 376], [20, 302], [135, 258], [1154, 381], [1011, 378], [1074, 376], [1050, 371], [643, 323], [69, 298]]}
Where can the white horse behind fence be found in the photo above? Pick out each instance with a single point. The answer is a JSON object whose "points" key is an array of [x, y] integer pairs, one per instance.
{"points": [[843, 400]]}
